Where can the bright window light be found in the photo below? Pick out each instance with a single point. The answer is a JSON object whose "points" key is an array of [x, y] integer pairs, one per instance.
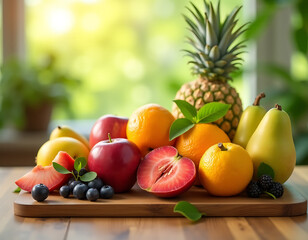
{"points": [[60, 20]]}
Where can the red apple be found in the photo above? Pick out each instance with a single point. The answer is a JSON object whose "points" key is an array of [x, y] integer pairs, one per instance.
{"points": [[115, 161], [114, 125], [165, 173]]}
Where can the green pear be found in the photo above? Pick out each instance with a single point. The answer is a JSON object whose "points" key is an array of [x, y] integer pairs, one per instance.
{"points": [[272, 143], [249, 121]]}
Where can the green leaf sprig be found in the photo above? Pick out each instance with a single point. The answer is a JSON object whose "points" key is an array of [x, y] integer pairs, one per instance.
{"points": [[188, 210], [265, 169], [17, 190], [210, 112], [78, 165]]}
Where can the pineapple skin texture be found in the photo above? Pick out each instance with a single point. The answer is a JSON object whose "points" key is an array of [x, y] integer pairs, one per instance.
{"points": [[202, 91]]}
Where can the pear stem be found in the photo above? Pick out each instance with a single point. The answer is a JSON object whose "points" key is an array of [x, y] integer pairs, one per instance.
{"points": [[109, 136], [59, 127], [258, 98], [222, 147], [278, 107]]}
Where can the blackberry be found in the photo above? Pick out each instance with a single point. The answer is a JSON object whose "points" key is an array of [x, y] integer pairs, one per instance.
{"points": [[253, 190], [39, 192], [265, 182], [276, 189]]}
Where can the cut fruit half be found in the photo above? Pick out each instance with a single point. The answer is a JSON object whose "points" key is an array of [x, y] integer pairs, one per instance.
{"points": [[47, 175], [165, 173]]}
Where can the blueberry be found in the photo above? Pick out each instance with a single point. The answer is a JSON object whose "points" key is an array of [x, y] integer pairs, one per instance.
{"points": [[40, 192], [72, 179], [92, 194], [81, 172], [106, 192], [96, 183], [80, 191], [73, 184], [65, 191]]}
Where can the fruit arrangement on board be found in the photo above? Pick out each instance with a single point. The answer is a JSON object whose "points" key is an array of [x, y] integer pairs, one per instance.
{"points": [[206, 141]]}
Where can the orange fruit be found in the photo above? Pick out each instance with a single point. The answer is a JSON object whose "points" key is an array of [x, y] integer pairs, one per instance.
{"points": [[148, 127], [193, 143], [225, 170]]}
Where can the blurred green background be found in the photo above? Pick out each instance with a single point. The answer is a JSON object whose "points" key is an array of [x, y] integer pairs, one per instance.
{"points": [[126, 53], [113, 56]]}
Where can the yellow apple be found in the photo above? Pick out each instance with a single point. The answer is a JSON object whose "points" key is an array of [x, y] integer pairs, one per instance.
{"points": [[66, 131], [50, 149]]}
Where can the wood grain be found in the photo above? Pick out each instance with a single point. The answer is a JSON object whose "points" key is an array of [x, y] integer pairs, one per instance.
{"points": [[289, 229], [14, 227], [240, 228], [138, 203]]}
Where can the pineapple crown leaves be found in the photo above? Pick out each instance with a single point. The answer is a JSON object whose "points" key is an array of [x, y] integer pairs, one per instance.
{"points": [[210, 112], [213, 57]]}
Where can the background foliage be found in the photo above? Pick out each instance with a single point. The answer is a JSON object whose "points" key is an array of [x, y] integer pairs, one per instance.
{"points": [[293, 96], [127, 53]]}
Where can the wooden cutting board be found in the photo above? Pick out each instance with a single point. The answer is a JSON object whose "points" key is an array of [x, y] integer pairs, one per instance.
{"points": [[138, 203]]}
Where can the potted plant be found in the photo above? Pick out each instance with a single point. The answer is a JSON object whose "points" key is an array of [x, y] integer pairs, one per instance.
{"points": [[29, 92]]}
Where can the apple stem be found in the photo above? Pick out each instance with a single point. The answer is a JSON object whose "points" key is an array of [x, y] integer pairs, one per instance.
{"points": [[222, 147], [109, 136], [59, 127]]}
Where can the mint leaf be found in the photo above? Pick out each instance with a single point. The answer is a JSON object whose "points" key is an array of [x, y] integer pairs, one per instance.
{"points": [[265, 169], [211, 112], [17, 190], [77, 166], [187, 109], [188, 210], [89, 176], [80, 163], [179, 126], [60, 168]]}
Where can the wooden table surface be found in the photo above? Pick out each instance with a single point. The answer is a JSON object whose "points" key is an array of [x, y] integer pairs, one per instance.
{"points": [[13, 227]]}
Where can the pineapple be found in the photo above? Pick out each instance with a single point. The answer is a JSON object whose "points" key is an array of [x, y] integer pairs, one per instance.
{"points": [[213, 59]]}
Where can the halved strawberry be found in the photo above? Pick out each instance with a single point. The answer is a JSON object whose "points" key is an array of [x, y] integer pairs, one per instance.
{"points": [[47, 175], [166, 174]]}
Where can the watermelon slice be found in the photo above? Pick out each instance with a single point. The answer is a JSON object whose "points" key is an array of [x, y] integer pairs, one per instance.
{"points": [[47, 175]]}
